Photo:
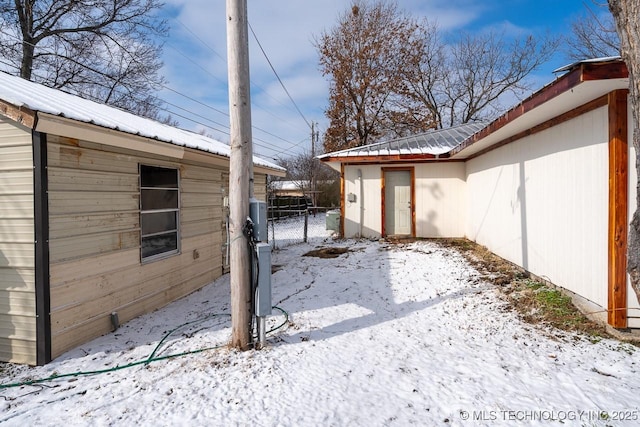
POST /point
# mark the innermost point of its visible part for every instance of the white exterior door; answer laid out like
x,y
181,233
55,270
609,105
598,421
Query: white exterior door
x,y
397,202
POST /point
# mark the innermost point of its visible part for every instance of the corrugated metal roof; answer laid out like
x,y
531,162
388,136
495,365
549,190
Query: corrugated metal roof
x,y
434,142
23,93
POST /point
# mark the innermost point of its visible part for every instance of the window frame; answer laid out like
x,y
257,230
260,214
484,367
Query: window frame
x,y
143,212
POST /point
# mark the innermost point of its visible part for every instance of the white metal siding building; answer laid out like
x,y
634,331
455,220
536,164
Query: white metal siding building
x,y
549,186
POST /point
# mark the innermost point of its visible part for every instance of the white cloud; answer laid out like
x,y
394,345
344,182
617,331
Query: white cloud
x,y
286,30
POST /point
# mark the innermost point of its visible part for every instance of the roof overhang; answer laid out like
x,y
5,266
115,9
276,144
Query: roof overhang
x,y
582,85
21,115
57,125
581,88
74,129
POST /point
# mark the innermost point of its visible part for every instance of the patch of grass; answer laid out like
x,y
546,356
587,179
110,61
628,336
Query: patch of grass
x,y
540,303
553,300
536,302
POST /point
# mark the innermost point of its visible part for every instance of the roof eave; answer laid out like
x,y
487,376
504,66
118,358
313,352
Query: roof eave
x,y
23,115
581,73
74,129
386,158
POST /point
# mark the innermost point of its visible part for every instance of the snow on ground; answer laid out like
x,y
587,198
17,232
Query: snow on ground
x,y
382,335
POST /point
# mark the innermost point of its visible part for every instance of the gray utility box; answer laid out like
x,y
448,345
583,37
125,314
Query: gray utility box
x,y
333,220
258,214
263,294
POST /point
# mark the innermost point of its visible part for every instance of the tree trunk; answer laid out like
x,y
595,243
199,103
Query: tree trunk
x,y
625,13
26,66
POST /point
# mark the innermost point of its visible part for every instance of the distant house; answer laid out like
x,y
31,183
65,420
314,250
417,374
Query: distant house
x,y
549,185
300,188
104,216
290,188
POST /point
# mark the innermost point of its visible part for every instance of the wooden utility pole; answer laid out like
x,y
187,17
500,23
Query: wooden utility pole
x,y
240,173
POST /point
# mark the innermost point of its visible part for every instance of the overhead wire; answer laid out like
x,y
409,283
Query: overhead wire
x,y
205,44
278,77
264,144
254,84
190,98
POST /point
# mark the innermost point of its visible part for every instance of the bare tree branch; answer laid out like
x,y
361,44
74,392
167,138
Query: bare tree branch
x,y
593,35
104,49
392,75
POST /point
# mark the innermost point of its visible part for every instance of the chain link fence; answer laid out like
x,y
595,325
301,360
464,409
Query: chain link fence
x,y
291,226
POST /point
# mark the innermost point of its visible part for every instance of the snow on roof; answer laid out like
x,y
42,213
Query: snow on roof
x,y
289,185
23,93
433,142
588,61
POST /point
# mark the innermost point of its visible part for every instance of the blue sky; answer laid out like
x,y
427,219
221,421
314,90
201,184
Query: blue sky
x,y
195,57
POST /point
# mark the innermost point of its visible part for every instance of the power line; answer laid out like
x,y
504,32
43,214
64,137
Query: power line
x,y
181,53
262,143
164,86
200,40
277,76
205,44
265,145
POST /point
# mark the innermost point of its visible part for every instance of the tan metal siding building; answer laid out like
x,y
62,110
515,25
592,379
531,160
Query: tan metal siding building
x,y
97,222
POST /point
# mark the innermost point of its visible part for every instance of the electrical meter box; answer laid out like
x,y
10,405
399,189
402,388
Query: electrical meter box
x,y
263,294
258,214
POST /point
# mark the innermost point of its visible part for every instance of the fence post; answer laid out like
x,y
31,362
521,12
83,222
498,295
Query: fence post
x,y
273,233
306,223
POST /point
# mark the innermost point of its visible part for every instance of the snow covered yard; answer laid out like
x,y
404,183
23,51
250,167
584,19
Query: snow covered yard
x,y
381,335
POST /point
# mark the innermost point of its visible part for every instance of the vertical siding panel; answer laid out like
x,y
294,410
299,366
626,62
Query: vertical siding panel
x,y
17,264
440,196
541,202
372,199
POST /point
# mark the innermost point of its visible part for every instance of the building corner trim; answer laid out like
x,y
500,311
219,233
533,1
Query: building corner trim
x,y
41,223
618,208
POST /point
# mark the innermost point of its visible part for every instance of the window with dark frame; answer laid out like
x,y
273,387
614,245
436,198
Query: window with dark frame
x,y
159,212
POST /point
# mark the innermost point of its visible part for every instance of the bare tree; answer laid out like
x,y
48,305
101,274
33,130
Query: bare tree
x,y
100,49
625,14
392,75
464,81
363,55
482,68
425,75
593,34
305,168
